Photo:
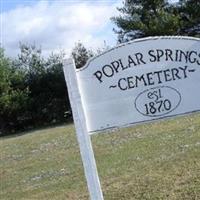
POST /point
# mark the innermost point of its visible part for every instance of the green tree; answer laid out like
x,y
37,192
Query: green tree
x,y
190,17
81,55
45,79
13,95
142,18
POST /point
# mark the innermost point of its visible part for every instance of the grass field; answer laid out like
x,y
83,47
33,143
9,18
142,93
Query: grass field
x,y
152,161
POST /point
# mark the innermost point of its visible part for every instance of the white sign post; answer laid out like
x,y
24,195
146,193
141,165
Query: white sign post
x,y
140,81
82,134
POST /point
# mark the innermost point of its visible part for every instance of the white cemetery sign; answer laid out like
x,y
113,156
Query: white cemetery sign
x,y
140,81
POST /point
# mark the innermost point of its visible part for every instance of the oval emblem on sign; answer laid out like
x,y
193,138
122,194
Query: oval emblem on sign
x,y
158,101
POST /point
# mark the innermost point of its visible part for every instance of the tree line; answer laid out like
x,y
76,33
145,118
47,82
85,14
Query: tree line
x,y
33,92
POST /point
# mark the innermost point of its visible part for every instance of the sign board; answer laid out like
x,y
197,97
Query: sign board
x,y
140,81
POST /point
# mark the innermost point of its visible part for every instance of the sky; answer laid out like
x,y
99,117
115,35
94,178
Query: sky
x,y
56,25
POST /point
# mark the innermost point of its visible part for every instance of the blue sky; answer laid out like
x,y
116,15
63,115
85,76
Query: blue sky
x,y
56,25
12,4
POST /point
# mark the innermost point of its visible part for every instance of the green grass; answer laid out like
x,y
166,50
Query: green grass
x,y
152,161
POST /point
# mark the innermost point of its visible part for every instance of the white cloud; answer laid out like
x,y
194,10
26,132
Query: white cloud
x,y
58,25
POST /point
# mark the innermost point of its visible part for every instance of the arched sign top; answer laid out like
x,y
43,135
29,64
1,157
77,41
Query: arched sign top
x,y
136,41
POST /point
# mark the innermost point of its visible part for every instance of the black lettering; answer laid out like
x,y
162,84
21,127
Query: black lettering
x,y
130,82
120,84
184,71
115,65
108,70
123,68
98,75
139,58
168,54
153,57
150,79
183,54
158,75
175,74
190,55
160,54
177,55
167,75
198,61
131,61
140,79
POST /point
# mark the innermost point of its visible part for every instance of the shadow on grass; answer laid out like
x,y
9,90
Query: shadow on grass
x,y
34,129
